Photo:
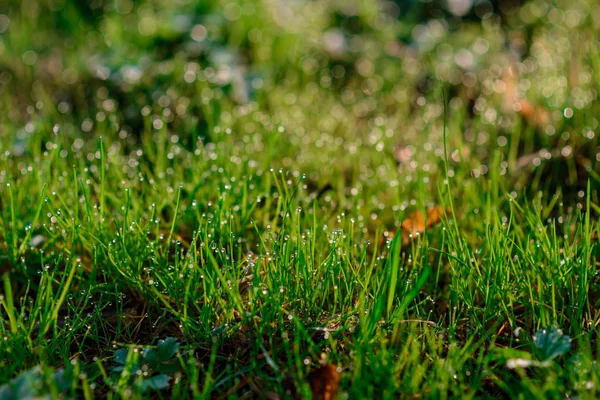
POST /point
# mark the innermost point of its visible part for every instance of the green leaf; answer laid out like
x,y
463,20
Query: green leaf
x,y
23,386
156,382
63,379
550,343
168,367
167,348
120,356
163,352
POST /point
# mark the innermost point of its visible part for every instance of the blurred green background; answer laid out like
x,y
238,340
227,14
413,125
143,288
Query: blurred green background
x,y
104,66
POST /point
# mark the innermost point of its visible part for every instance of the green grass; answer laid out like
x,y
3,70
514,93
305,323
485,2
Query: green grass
x,y
224,174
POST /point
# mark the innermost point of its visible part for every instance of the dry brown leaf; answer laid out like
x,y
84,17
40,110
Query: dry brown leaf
x,y
271,395
324,382
434,216
414,224
246,284
256,384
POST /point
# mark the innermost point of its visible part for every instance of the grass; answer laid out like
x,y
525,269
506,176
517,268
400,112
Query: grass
x,y
237,176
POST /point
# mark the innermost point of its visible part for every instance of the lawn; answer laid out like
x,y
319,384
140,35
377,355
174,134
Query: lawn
x,y
348,199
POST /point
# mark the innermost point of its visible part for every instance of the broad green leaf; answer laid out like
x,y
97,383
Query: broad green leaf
x,y
550,343
156,382
167,348
24,386
163,352
121,356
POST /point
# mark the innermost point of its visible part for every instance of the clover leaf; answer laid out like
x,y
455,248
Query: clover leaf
x,y
550,343
156,382
160,358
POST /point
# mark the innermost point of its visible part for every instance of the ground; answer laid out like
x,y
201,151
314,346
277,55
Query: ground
x,y
286,199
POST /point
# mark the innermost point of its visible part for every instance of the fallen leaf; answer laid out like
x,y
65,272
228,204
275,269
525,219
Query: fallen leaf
x,y
414,224
271,395
257,384
434,216
246,284
324,382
